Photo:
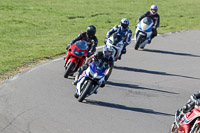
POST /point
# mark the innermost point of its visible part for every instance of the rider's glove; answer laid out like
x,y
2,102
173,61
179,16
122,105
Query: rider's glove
x,y
105,41
102,84
68,46
89,54
125,44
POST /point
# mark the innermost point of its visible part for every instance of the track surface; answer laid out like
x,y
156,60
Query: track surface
x,y
142,95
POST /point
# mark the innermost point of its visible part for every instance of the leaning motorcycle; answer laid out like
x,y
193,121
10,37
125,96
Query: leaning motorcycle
x,y
90,80
76,55
116,41
187,123
143,32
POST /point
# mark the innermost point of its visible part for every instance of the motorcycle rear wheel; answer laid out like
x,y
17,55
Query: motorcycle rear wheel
x,y
85,91
69,69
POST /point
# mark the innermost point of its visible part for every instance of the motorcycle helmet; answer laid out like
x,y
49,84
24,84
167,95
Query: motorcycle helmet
x,y
124,23
154,9
108,51
91,30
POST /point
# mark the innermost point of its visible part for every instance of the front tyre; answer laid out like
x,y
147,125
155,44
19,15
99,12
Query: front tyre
x,y
85,91
173,128
108,73
69,69
195,128
138,42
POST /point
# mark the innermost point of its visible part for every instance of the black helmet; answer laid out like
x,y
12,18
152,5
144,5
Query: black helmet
x,y
91,30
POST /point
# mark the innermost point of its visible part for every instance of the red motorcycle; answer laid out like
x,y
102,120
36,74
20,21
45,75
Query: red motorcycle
x,y
76,55
189,122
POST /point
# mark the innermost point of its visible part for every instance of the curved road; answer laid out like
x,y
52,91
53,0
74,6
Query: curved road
x,y
142,95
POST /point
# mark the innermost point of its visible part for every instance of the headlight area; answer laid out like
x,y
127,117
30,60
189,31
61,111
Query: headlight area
x,y
78,53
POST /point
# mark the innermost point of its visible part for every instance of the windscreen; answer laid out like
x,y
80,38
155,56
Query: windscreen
x,y
147,20
82,45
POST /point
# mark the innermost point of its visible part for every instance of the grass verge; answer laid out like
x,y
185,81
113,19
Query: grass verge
x,y
31,31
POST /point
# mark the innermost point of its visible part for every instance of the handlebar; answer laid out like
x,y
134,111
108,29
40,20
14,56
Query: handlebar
x,y
188,106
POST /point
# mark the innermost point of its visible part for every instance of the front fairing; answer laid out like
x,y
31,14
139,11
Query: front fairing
x,y
184,124
76,55
91,73
144,26
96,72
116,40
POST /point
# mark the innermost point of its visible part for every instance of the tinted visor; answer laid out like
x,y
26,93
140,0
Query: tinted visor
x,y
109,53
91,33
124,25
154,11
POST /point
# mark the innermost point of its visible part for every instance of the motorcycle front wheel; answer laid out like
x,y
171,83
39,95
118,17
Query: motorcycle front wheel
x,y
69,69
85,91
195,128
138,42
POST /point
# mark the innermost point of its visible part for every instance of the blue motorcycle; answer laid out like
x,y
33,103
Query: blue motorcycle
x,y
90,80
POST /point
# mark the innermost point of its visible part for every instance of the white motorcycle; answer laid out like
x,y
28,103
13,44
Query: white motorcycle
x,y
116,41
90,80
143,32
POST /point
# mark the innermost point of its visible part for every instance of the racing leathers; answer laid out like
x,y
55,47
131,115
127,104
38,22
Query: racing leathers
x,y
108,63
156,21
91,42
127,33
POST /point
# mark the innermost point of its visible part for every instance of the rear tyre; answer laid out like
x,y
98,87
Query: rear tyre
x,y
138,42
69,69
85,91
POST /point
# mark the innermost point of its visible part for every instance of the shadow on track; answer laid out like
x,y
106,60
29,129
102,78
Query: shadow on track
x,y
169,52
152,72
137,87
123,107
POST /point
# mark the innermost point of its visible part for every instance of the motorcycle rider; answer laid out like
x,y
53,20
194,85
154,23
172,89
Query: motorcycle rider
x,y
155,17
122,28
105,56
194,100
89,37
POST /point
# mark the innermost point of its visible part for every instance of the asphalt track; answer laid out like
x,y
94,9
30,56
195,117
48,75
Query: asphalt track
x,y
142,95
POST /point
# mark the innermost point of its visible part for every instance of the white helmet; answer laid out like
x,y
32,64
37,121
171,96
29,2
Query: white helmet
x,y
108,51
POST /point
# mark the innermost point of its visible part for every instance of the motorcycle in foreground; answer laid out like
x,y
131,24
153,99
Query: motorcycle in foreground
x,y
116,41
76,55
143,32
90,80
189,122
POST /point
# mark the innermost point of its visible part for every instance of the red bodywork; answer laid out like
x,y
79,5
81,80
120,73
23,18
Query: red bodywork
x,y
72,56
186,122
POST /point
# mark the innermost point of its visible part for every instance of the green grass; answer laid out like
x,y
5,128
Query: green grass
x,y
33,30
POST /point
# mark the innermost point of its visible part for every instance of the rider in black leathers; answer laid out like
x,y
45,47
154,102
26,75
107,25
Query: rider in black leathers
x,y
89,37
